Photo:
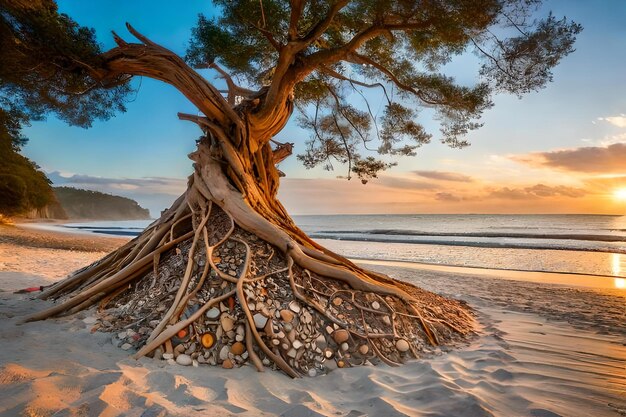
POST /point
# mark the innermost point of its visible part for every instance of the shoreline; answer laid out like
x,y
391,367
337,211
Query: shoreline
x,y
541,350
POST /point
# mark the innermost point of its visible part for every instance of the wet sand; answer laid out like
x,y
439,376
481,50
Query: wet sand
x,y
542,351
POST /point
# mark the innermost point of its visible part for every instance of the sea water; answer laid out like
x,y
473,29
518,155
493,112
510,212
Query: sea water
x,y
580,244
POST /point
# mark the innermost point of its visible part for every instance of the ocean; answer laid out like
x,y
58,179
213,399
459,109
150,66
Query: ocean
x,y
574,244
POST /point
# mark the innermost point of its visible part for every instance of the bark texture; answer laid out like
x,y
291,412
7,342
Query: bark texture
x,y
226,277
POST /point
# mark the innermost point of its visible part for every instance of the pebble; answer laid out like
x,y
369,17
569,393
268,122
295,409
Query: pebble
x,y
126,346
341,335
286,315
363,349
224,352
191,349
90,320
337,301
184,360
375,305
195,363
402,345
227,323
266,362
239,338
329,329
297,344
328,353
227,364
344,346
291,353
312,372
168,356
237,348
259,320
387,320
213,313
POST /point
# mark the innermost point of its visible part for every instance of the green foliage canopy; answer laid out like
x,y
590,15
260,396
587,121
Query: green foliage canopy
x,y
334,49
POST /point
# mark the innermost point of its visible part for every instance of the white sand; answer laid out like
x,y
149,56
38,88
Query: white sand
x,y
542,351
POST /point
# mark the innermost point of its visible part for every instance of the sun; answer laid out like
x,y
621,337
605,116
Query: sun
x,y
620,194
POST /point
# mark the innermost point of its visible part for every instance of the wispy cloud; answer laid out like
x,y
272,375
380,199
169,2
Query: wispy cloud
x,y
619,121
444,176
593,159
537,191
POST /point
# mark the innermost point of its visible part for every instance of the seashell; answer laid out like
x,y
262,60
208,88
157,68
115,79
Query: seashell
x,y
208,340
294,306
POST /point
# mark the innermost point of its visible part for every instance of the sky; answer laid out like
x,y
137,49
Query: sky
x,y
559,150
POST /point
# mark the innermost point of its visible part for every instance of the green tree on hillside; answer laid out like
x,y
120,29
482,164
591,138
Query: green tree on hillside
x,y
311,56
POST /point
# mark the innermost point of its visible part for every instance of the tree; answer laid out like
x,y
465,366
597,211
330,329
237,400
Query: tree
x,y
45,68
226,265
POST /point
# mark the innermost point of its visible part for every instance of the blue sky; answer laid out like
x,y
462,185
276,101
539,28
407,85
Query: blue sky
x,y
142,153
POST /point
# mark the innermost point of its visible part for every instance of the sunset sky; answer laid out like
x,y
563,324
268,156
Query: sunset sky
x,y
561,150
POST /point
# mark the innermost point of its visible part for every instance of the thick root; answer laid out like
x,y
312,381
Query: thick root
x,y
216,282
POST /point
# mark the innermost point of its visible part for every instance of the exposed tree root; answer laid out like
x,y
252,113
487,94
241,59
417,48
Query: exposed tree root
x,y
224,277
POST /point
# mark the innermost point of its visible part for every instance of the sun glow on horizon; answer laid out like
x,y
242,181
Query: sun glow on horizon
x,y
620,194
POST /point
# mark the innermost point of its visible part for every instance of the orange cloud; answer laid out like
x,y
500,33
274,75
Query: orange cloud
x,y
444,176
593,159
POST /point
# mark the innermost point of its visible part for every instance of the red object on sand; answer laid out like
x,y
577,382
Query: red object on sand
x,y
29,289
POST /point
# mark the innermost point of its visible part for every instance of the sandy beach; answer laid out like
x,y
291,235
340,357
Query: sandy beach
x,y
542,350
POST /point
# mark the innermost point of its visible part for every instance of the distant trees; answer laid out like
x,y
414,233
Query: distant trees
x,y
45,58
86,204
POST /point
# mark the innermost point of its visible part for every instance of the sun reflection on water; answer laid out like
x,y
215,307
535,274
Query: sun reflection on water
x,y
616,267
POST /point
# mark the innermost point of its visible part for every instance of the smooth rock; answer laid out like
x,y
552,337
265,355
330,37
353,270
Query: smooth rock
x,y
126,346
312,372
387,320
184,360
402,345
341,336
239,338
224,352
213,313
292,353
227,364
168,356
344,346
286,315
329,329
337,301
227,323
241,330
259,320
90,320
297,344
363,349
328,353
237,348
195,363
266,362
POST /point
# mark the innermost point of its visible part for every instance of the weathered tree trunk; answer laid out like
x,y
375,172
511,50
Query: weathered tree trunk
x,y
227,277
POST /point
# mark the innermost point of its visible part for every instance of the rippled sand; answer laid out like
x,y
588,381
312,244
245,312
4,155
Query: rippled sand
x,y
542,351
